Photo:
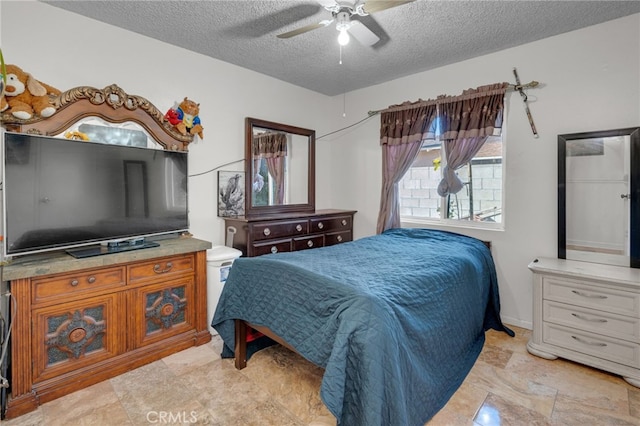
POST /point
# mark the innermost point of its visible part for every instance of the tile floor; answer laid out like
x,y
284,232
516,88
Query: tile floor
x,y
507,386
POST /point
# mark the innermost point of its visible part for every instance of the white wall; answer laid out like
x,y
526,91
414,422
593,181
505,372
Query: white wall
x,y
590,80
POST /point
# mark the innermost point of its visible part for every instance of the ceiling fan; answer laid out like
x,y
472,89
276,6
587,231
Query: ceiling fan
x,y
342,13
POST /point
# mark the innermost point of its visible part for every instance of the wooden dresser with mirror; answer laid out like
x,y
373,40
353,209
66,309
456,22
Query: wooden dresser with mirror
x,y
79,321
280,212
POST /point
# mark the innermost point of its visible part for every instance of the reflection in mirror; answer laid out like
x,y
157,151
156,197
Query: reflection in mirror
x,y
280,163
598,192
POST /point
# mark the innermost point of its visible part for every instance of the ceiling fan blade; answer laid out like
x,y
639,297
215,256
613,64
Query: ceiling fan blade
x,y
363,34
373,6
305,29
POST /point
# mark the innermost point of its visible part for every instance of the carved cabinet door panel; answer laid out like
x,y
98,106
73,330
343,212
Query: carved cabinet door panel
x,y
163,310
70,336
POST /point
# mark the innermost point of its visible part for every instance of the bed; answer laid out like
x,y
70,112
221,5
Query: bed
x,y
396,320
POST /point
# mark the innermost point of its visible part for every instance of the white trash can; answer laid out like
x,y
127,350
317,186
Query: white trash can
x,y
219,261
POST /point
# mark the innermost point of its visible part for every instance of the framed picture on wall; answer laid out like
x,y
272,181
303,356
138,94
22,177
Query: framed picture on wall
x,y
230,194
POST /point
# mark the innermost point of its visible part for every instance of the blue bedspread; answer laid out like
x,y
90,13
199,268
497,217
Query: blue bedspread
x,y
397,320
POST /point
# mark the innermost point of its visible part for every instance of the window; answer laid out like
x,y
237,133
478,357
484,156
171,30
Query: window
x,y
480,199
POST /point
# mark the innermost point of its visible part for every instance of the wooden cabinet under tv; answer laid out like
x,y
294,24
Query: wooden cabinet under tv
x,y
81,321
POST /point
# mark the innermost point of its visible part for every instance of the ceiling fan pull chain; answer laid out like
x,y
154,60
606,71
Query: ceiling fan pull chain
x,y
340,55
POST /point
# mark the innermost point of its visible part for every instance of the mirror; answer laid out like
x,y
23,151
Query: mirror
x,y
599,197
280,164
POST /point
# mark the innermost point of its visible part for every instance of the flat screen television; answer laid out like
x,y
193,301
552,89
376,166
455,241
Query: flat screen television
x,y
61,194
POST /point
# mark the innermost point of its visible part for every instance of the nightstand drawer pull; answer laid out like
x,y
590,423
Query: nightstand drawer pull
x,y
310,243
298,227
344,222
91,279
320,225
74,282
602,320
157,270
274,249
266,232
339,238
600,344
590,296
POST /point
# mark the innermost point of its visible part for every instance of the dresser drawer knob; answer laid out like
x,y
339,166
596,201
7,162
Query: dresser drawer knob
x,y
298,227
582,317
344,222
158,269
590,296
339,238
586,342
266,232
310,243
91,279
74,283
320,225
274,249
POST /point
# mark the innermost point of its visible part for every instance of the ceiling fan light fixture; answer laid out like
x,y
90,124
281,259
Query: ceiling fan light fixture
x,y
343,38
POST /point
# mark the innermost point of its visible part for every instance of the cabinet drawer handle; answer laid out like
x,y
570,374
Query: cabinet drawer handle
x,y
298,227
310,243
344,222
74,283
266,232
157,269
599,344
590,296
589,319
320,225
274,249
91,279
339,238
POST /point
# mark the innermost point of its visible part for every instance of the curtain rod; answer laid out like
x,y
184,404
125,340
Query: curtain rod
x,y
511,87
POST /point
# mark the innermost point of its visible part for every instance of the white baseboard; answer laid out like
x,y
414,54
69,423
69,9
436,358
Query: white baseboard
x,y
518,323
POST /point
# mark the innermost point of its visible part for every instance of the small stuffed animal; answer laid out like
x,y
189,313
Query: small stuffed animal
x,y
185,118
27,96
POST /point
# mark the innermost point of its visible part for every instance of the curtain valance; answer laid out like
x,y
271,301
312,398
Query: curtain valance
x,y
270,145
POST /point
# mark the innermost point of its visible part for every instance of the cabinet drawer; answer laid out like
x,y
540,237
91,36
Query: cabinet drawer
x,y
605,323
619,351
272,247
81,282
271,230
331,224
332,238
310,242
161,268
590,296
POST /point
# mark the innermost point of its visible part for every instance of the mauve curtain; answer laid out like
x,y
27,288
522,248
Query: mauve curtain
x,y
273,148
467,121
401,134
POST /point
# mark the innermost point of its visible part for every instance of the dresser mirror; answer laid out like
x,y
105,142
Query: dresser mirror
x,y
280,162
599,197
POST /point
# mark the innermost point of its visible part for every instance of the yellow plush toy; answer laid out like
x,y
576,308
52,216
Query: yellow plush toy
x,y
27,96
185,118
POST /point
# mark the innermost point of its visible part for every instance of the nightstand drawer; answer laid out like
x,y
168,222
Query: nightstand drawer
x,y
271,230
72,284
619,351
591,296
161,268
604,323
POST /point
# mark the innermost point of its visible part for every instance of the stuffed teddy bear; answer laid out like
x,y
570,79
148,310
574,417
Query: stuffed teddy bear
x,y
185,118
27,96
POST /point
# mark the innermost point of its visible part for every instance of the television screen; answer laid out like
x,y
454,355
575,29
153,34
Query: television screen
x,y
61,193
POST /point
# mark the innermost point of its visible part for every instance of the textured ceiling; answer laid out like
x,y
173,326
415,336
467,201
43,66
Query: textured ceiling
x,y
414,37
